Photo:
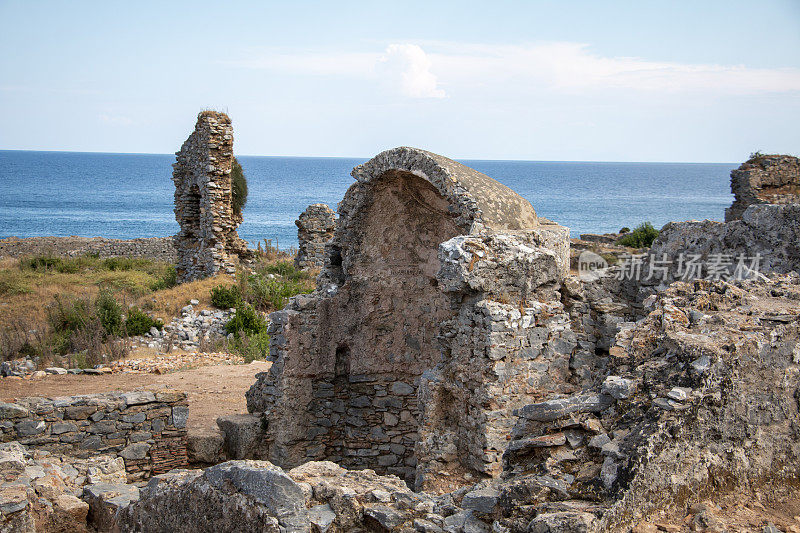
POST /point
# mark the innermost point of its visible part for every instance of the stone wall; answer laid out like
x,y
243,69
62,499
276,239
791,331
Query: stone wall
x,y
146,429
314,229
766,179
156,248
207,242
685,392
423,250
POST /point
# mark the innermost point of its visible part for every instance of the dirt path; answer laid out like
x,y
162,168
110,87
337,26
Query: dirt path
x,y
213,390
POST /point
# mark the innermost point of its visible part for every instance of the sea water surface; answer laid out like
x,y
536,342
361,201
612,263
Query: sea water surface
x,y
130,195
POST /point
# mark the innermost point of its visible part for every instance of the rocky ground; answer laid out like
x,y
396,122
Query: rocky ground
x,y
694,428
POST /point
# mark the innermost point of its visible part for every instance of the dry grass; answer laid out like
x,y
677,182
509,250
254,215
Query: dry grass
x,y
168,302
25,293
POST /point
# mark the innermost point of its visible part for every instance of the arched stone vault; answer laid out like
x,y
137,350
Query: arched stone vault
x,y
427,254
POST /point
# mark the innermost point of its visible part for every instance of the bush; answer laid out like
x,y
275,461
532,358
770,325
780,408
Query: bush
x,y
139,322
642,236
41,263
226,297
269,294
167,280
66,316
246,320
109,312
238,187
250,347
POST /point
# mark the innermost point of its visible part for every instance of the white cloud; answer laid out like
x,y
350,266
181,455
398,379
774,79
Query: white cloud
x,y
503,70
567,66
409,66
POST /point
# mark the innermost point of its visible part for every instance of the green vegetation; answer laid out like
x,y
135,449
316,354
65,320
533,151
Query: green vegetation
x,y
267,290
139,322
226,297
642,236
65,305
250,347
167,280
246,320
109,312
238,187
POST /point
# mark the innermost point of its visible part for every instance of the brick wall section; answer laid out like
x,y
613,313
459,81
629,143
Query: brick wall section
x,y
146,429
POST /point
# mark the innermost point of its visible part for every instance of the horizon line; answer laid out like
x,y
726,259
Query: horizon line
x,y
368,158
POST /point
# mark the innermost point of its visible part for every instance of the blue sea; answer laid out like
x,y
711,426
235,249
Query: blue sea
x,y
130,195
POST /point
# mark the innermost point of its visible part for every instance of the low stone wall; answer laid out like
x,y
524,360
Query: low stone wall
x,y
156,248
146,429
365,421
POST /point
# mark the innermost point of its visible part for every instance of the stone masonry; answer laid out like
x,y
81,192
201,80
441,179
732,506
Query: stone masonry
x,y
314,229
207,242
146,429
765,179
409,357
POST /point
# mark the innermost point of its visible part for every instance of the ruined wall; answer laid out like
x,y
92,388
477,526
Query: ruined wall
x,y
207,242
146,429
685,393
314,229
352,356
770,179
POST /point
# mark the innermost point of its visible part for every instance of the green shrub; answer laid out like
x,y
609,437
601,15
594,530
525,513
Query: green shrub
x,y
642,236
66,316
250,347
226,297
167,280
126,263
41,263
238,187
285,269
10,287
625,229
269,294
246,320
108,310
139,322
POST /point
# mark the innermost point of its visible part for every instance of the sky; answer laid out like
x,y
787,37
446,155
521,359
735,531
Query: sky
x,y
638,80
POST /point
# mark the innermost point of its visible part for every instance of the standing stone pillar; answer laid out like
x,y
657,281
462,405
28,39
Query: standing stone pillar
x,y
207,242
314,229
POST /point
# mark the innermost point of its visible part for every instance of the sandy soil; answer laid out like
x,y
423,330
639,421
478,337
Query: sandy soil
x,y
213,390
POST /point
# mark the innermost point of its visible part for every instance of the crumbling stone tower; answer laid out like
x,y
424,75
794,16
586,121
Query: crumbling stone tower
x,y
314,229
426,329
207,242
764,179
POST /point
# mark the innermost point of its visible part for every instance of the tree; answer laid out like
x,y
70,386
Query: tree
x,y
238,187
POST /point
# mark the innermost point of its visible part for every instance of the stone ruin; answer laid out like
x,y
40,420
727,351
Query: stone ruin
x,y
448,344
207,242
314,229
417,344
764,179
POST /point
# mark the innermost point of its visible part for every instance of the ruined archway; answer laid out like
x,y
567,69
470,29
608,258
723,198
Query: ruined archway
x,y
349,359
